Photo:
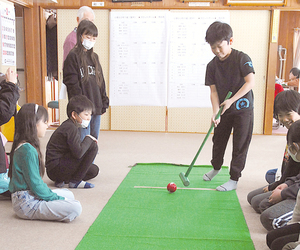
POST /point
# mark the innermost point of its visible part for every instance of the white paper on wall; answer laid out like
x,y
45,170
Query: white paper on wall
x,y
138,58
8,34
159,58
188,57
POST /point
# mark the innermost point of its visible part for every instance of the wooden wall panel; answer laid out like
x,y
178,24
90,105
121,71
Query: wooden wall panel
x,y
165,4
25,3
32,43
288,21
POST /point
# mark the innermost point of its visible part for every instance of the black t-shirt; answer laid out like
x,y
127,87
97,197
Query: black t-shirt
x,y
228,75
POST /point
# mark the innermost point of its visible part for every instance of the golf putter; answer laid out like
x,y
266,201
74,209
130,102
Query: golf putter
x,y
184,176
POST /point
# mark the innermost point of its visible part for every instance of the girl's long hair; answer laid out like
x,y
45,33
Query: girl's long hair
x,y
26,131
86,27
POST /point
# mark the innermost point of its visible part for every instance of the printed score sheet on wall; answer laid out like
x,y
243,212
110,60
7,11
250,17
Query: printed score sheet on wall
x,y
188,57
8,38
159,58
138,58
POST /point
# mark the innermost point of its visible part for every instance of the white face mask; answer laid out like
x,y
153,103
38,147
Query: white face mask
x,y
87,44
84,123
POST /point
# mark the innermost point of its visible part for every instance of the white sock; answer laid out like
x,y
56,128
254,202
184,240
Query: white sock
x,y
210,175
229,185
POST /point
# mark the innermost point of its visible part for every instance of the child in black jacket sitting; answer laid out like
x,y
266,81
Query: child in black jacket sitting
x,y
68,160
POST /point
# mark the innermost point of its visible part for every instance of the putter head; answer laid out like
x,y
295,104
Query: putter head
x,y
184,179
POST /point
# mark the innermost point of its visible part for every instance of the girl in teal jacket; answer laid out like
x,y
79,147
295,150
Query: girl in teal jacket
x,y
31,197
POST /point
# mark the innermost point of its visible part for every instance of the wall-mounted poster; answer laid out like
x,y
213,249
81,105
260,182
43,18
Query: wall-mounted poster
x,y
8,34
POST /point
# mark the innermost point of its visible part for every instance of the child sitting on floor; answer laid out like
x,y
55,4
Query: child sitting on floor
x,y
31,197
287,111
276,239
68,160
282,199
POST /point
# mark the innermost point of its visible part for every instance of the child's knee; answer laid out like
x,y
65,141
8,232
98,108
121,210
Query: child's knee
x,y
266,221
250,197
264,204
75,210
256,203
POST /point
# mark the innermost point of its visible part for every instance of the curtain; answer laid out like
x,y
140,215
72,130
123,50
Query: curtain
x,y
296,48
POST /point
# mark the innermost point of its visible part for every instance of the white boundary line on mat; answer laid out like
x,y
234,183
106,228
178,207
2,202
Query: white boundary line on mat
x,y
177,188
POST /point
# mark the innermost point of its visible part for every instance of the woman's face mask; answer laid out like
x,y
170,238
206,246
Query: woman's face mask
x,y
88,41
293,150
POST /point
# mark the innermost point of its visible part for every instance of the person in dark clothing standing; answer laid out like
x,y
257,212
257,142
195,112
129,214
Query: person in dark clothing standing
x,y
68,159
230,70
82,74
9,95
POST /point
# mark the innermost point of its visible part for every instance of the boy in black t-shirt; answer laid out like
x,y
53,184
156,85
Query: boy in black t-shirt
x,y
229,70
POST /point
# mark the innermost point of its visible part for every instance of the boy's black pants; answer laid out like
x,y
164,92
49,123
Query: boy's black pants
x,y
277,238
242,125
74,169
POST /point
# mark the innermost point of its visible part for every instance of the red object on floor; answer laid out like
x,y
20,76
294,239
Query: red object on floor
x,y
171,187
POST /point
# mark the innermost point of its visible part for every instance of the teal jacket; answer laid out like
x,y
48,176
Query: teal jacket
x,y
26,175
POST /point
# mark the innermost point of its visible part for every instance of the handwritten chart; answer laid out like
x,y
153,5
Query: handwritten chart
x,y
159,58
138,58
188,57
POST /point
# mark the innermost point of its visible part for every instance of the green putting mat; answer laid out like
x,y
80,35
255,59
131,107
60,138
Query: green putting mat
x,y
153,218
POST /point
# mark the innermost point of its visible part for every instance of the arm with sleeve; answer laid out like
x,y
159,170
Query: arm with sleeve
x,y
9,95
290,169
69,43
72,75
26,176
102,88
293,187
105,100
248,72
78,148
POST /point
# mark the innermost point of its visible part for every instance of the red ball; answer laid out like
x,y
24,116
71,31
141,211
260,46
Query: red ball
x,y
171,187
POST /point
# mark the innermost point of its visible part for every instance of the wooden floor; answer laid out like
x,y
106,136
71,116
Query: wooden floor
x,y
117,152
